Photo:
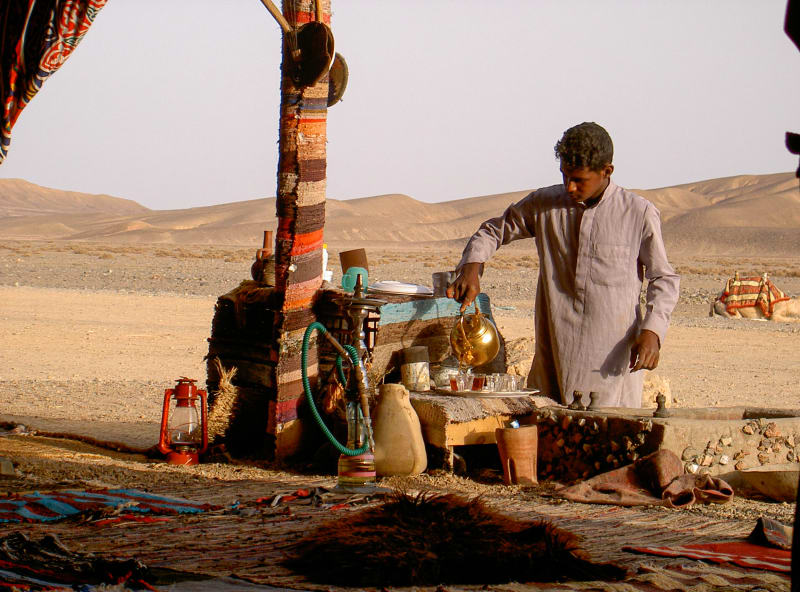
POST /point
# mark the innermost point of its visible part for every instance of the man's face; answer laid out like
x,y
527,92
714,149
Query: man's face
x,y
583,183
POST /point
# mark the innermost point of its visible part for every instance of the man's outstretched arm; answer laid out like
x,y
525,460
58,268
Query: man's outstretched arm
x,y
510,226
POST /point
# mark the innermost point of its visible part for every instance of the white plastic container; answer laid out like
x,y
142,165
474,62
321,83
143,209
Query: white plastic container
x,y
327,274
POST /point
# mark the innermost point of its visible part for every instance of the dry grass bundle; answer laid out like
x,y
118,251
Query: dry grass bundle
x,y
426,540
219,416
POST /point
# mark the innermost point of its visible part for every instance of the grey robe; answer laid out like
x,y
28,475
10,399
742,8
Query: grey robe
x,y
592,261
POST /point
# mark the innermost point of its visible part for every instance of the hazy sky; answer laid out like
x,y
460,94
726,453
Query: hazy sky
x,y
175,103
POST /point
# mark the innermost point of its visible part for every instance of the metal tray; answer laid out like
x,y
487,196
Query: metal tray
x,y
486,394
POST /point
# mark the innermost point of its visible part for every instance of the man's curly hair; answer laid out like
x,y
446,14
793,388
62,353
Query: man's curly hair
x,y
585,145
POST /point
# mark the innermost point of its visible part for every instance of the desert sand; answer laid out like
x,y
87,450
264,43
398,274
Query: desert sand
x,y
95,326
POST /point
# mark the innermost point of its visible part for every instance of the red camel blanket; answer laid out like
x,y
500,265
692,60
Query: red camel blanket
x,y
751,291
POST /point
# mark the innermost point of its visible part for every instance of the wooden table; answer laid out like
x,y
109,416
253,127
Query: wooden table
x,y
449,421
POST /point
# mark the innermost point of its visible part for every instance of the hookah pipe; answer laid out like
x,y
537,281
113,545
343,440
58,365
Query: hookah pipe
x,y
351,355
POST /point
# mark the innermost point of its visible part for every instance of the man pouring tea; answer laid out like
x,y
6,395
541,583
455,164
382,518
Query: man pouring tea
x,y
596,243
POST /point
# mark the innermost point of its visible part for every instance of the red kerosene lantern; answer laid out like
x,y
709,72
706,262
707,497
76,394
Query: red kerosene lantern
x,y
184,431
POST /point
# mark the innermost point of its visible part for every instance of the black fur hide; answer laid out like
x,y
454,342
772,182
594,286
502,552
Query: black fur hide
x,y
429,540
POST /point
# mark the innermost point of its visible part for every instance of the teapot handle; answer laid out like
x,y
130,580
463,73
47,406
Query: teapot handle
x,y
467,344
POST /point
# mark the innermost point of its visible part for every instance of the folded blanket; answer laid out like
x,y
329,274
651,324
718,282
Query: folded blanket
x,y
654,480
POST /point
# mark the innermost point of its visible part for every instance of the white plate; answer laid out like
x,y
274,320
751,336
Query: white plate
x,y
393,287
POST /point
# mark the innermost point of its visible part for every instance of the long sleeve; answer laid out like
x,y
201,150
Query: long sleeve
x,y
663,283
495,232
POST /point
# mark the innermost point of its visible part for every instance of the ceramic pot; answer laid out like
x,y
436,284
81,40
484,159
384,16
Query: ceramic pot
x,y
518,448
399,447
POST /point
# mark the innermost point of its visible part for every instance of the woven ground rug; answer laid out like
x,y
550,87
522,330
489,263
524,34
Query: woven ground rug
x,y
58,505
737,552
250,540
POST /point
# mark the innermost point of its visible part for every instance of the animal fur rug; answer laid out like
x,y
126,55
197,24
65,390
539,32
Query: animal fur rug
x,y
426,540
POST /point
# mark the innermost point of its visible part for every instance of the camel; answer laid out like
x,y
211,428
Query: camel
x,y
755,298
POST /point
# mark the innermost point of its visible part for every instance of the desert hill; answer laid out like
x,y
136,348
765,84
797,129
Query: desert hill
x,y
21,198
741,214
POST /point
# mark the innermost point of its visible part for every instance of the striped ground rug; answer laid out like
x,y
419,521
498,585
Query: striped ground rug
x,y
251,540
737,552
58,505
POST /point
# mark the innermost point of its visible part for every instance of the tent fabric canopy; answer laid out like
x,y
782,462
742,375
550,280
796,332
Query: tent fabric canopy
x,y
36,37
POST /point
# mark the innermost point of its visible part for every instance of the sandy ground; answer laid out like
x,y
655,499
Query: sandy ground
x,y
92,335
95,333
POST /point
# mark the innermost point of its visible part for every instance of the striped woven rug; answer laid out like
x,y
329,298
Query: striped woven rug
x,y
58,505
251,540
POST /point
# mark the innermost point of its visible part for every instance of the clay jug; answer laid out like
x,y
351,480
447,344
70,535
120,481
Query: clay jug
x,y
518,451
399,447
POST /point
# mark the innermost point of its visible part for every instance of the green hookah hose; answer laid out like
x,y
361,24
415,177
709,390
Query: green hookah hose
x,y
310,398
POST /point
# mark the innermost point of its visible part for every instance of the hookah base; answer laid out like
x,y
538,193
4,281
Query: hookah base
x,y
357,469
357,474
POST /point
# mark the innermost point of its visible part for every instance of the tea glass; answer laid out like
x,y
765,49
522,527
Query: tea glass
x,y
490,383
442,379
518,382
478,382
500,382
461,381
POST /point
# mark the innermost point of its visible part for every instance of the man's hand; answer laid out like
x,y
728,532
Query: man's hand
x,y
467,285
644,353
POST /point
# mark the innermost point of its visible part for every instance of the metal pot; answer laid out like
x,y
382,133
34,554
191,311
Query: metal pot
x,y
474,340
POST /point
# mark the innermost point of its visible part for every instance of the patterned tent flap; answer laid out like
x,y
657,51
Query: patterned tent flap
x,y
37,37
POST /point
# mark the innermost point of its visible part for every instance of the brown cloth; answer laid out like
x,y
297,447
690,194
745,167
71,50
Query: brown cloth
x,y
654,480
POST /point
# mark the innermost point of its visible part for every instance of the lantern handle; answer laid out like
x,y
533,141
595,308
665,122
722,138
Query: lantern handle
x,y
203,419
162,440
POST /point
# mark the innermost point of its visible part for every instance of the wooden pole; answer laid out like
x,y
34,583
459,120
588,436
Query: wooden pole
x,y
301,218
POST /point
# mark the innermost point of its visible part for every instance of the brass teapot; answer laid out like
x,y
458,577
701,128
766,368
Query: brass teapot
x,y
474,339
